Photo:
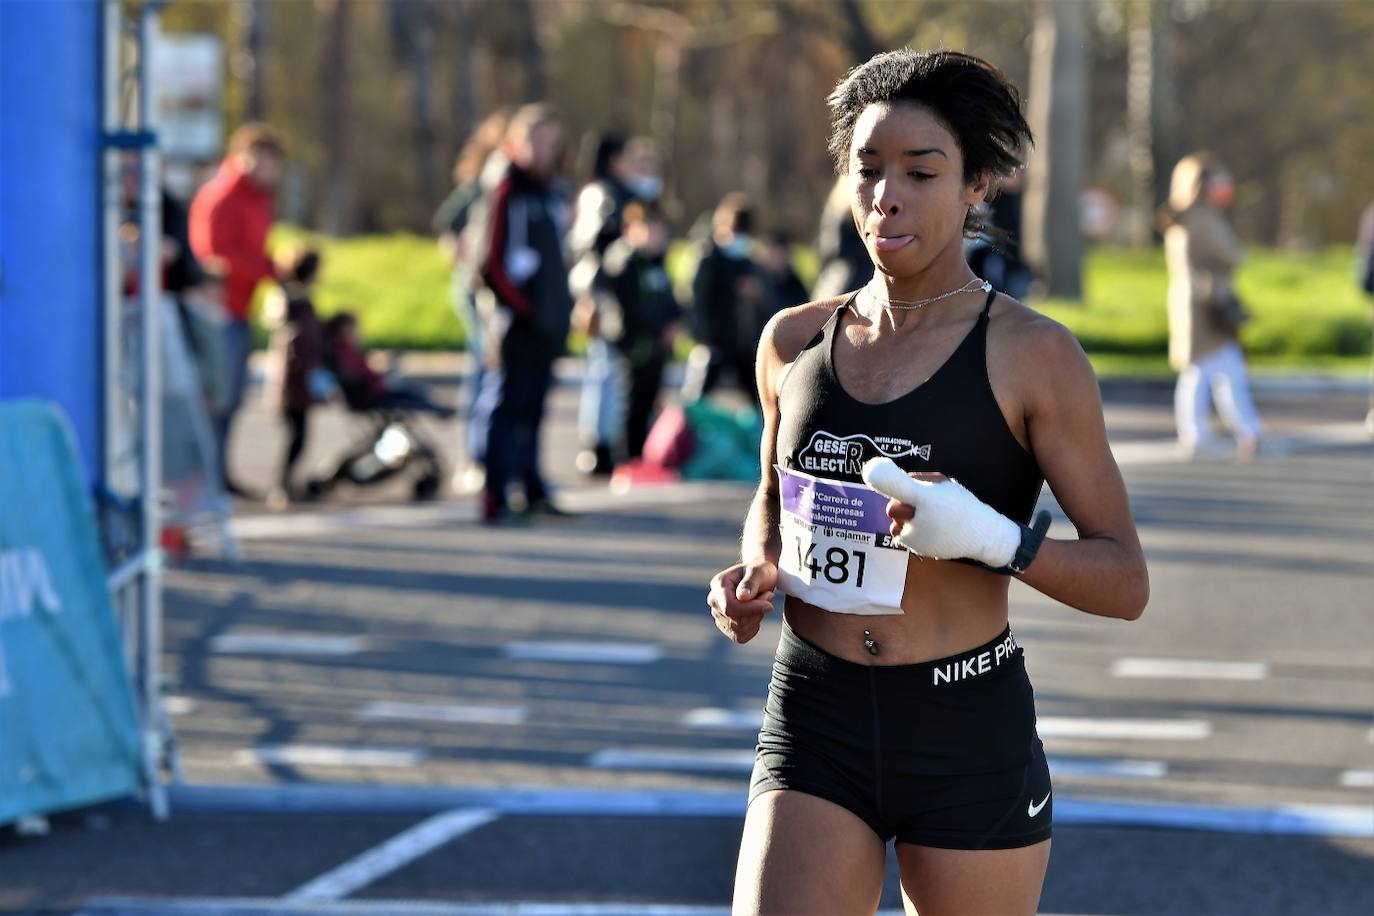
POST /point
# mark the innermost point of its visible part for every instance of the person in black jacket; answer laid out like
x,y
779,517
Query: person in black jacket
x,y
526,324
639,312
775,257
295,358
731,302
596,224
844,259
479,167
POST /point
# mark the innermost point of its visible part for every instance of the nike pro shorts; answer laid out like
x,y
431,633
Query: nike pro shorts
x,y
942,753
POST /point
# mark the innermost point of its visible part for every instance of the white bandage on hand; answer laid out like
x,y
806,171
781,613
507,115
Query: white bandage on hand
x,y
950,522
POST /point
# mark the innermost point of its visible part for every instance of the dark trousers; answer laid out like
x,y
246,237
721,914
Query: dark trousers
x,y
296,426
646,380
511,407
742,364
238,344
407,398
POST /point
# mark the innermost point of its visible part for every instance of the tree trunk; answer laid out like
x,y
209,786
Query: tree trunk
x,y
531,51
663,117
858,36
1058,115
421,61
247,66
336,206
1166,137
1140,83
463,99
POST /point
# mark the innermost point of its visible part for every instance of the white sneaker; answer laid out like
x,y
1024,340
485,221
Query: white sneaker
x,y
468,480
1208,450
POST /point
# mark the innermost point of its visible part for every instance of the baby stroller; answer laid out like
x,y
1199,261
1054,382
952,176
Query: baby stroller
x,y
391,443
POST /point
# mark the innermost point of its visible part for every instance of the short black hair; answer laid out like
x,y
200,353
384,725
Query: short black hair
x,y
303,265
738,209
970,96
639,210
339,322
608,146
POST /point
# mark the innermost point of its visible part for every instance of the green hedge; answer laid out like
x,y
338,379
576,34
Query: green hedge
x,y
1306,308
1303,305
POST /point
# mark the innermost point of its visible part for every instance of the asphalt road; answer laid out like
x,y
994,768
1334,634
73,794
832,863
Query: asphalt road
x,y
1214,756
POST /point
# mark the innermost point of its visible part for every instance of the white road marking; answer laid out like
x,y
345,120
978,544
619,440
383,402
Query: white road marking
x,y
1312,438
1123,729
260,906
442,712
604,653
1048,726
712,717
330,755
390,856
1358,779
325,522
178,705
1202,669
286,644
547,801
1103,768
674,759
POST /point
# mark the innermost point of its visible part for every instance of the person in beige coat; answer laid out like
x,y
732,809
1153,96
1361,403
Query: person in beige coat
x,y
1202,252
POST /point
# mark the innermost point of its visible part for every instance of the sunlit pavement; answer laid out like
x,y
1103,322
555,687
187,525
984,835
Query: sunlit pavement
x,y
1213,756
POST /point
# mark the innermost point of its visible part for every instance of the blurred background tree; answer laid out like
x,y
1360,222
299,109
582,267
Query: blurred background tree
x,y
376,96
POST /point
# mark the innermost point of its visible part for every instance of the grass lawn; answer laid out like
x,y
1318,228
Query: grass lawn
x,y
1307,311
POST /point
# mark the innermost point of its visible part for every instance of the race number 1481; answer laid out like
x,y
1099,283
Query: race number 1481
x,y
838,565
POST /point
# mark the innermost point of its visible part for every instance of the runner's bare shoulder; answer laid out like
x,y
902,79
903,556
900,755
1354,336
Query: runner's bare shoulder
x,y
791,330
1034,356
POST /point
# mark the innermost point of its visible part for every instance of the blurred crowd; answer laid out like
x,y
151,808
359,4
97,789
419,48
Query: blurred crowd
x,y
535,254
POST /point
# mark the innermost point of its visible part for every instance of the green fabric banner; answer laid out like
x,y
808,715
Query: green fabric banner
x,y
68,730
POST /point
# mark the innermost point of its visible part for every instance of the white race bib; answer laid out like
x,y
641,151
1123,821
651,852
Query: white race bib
x,y
837,553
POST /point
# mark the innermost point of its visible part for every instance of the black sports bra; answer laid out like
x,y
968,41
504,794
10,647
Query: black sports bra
x,y
950,423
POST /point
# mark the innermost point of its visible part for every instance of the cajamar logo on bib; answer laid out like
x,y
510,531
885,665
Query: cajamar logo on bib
x,y
830,454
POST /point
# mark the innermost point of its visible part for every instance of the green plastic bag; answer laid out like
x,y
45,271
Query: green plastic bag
x,y
727,442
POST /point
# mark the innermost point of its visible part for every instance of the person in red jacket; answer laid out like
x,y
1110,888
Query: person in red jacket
x,y
230,218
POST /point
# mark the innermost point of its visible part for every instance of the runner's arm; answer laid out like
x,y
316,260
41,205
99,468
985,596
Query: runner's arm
x,y
761,540
1103,571
742,594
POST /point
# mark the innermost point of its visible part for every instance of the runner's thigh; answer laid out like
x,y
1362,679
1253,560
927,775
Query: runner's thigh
x,y
801,854
943,882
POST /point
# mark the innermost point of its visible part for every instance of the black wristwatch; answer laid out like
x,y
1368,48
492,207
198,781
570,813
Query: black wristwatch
x,y
1032,537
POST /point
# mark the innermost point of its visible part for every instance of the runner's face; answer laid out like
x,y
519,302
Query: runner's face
x,y
908,195
545,147
265,168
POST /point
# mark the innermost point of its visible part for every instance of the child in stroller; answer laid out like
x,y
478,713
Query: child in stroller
x,y
393,442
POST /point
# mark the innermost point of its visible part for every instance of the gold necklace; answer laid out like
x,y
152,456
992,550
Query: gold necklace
x,y
970,286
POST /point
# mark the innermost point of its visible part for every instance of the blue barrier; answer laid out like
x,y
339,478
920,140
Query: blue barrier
x,y
68,730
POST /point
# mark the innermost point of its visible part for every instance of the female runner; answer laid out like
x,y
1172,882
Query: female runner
x,y
899,706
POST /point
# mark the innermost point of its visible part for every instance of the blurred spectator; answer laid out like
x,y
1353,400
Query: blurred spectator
x,y
775,257
522,266
1364,250
295,361
196,289
596,224
845,264
731,302
643,175
363,387
996,254
1205,315
638,312
479,167
231,216
1364,265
